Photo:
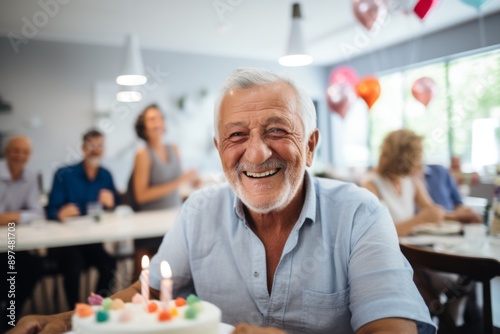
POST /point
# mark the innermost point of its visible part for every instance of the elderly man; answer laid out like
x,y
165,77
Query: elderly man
x,y
19,204
278,247
19,193
74,187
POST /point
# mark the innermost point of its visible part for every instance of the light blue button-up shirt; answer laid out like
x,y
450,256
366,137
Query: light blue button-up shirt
x,y
341,266
20,195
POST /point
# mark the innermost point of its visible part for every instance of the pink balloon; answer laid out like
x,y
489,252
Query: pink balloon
x,y
367,12
344,74
340,97
423,90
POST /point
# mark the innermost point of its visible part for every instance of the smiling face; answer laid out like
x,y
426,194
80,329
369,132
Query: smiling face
x,y
93,149
17,152
262,147
154,124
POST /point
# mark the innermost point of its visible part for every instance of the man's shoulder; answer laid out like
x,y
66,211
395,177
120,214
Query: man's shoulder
x,y
213,193
335,191
437,169
68,169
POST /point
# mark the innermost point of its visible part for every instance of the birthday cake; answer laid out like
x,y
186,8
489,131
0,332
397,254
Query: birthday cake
x,y
113,316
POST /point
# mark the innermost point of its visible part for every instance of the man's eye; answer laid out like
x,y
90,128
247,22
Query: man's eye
x,y
276,131
235,134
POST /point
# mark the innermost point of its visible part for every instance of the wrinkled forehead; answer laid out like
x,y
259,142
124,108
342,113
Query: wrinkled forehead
x,y
18,144
275,96
94,140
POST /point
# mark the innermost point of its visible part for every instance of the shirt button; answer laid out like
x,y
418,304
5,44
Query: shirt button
x,y
255,274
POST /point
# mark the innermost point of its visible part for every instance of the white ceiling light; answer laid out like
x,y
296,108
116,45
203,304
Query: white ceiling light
x,y
132,70
129,96
296,54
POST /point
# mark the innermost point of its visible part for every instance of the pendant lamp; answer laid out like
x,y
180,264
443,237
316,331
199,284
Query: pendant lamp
x,y
296,54
132,71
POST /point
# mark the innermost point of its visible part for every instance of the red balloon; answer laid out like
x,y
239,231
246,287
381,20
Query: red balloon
x,y
423,90
369,90
344,74
423,7
367,12
340,97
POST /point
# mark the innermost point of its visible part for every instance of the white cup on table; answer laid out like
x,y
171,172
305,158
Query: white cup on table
x,y
475,234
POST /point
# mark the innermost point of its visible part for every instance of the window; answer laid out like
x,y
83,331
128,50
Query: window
x,y
462,118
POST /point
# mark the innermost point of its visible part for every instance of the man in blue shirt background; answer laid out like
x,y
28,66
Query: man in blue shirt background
x,y
443,190
74,188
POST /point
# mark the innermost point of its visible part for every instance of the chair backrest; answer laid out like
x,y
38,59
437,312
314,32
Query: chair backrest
x,y
478,269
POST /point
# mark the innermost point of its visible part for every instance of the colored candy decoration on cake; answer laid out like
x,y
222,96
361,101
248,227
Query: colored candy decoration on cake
x,y
125,316
164,315
84,310
152,307
192,299
102,316
106,303
138,299
179,301
174,312
191,313
117,304
94,299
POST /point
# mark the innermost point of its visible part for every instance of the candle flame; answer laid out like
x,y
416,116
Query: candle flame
x,y
166,271
145,262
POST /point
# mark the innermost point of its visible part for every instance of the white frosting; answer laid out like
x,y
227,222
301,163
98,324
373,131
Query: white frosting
x,y
207,322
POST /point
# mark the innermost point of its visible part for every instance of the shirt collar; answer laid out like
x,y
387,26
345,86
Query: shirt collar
x,y
308,211
427,170
5,172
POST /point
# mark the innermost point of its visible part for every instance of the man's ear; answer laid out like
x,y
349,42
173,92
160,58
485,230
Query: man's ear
x,y
216,144
312,142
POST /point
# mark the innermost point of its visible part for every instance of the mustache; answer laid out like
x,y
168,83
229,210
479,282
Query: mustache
x,y
271,163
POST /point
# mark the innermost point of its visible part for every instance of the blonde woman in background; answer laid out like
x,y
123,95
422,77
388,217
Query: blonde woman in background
x,y
394,183
397,184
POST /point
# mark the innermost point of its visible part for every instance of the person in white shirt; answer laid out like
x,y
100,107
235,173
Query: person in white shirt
x,y
19,203
19,193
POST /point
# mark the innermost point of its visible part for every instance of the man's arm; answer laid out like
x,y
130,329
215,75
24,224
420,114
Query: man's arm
x,y
57,197
7,217
61,323
388,326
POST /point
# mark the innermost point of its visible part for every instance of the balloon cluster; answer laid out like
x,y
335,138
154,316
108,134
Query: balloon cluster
x,y
368,12
345,86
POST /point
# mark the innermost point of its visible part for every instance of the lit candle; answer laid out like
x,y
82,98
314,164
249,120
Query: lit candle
x,y
145,278
166,283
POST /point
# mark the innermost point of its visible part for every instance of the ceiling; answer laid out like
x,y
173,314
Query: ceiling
x,y
239,28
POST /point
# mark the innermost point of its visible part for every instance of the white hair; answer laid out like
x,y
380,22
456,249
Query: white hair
x,y
8,141
243,78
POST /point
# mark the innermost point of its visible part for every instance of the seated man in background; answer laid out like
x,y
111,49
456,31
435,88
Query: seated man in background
x,y
277,247
19,204
74,188
443,190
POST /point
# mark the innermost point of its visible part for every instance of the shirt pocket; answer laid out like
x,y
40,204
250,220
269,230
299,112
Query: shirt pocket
x,y
326,312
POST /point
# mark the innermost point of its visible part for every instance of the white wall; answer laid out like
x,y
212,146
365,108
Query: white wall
x,y
52,88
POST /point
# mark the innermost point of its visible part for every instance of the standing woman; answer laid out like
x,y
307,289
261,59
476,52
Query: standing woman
x,y
156,177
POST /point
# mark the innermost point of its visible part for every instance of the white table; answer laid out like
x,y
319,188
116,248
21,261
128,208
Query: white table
x,y
83,230
455,244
